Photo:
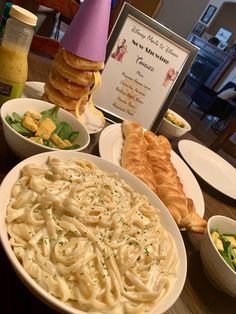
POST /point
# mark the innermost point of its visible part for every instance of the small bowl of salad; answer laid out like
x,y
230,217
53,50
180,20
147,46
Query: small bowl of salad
x,y
32,126
218,253
173,125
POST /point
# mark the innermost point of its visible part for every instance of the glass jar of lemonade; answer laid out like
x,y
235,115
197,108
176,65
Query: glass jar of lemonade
x,y
14,52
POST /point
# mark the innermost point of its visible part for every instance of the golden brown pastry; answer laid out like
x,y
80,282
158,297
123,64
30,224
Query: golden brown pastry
x,y
134,157
168,185
159,147
67,88
149,158
80,63
80,77
72,81
56,97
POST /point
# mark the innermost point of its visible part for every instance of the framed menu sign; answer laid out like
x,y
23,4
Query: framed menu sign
x,y
146,64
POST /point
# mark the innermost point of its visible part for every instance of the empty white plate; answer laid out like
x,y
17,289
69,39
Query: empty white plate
x,y
210,167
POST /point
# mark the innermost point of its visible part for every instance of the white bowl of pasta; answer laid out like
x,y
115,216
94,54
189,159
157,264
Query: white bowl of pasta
x,y
86,235
33,126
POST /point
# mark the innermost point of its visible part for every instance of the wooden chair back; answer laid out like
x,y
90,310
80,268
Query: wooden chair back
x,y
68,8
224,136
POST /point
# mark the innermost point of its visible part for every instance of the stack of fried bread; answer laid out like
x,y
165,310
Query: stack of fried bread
x,y
70,80
148,156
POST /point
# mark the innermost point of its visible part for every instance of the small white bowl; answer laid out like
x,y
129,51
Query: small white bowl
x,y
171,130
219,273
24,147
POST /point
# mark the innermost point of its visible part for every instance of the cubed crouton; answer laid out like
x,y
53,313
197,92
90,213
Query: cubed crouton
x,y
46,128
56,139
67,143
37,139
232,240
219,245
29,123
59,142
34,115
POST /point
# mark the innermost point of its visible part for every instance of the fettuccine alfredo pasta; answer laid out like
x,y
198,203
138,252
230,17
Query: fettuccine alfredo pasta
x,y
89,239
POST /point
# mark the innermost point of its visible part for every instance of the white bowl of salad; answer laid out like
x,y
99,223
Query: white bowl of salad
x,y
173,125
218,253
33,126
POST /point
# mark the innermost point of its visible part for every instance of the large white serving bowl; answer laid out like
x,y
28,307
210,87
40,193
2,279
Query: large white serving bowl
x,y
24,147
166,220
219,273
171,130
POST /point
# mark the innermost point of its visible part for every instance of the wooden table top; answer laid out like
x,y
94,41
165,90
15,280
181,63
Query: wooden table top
x,y
198,295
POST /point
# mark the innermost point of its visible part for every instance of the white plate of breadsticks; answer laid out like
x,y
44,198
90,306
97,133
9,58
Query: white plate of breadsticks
x,y
111,144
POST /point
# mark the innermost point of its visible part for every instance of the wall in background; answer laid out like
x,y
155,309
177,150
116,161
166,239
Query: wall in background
x,y
148,7
224,14
219,3
180,16
224,18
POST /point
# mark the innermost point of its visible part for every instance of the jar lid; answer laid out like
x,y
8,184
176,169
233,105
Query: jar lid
x,y
23,15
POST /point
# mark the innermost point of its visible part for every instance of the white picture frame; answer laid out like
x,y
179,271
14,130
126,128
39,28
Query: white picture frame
x,y
136,81
222,45
223,34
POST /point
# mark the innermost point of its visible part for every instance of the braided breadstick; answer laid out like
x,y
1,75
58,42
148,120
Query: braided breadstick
x,y
149,158
134,157
168,185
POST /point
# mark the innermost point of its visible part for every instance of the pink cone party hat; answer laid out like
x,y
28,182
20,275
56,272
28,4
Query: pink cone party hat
x,y
86,36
